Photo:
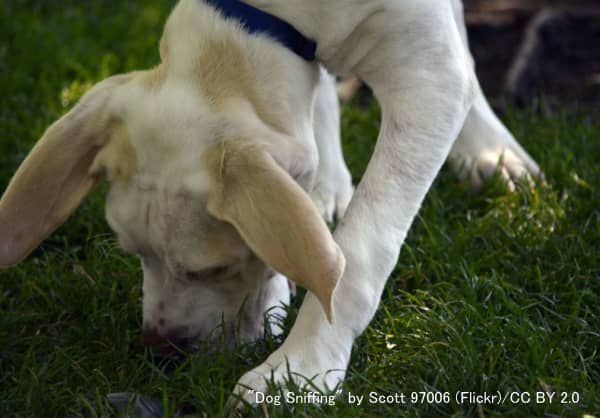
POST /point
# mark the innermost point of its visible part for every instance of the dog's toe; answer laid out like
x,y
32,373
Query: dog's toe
x,y
332,196
248,389
287,371
507,159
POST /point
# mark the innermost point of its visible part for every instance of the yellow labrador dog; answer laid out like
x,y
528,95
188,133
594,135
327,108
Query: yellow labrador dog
x,y
223,159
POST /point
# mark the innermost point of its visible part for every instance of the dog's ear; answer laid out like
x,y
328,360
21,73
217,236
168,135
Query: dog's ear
x,y
58,172
275,217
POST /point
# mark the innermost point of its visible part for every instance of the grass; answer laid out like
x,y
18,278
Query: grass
x,y
492,292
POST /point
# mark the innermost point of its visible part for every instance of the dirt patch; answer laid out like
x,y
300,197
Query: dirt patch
x,y
527,48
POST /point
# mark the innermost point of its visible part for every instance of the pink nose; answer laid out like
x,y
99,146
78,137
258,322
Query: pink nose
x,y
173,342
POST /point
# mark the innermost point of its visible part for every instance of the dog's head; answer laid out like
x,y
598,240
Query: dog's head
x,y
209,210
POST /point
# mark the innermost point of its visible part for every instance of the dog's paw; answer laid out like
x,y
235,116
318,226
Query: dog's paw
x,y
476,161
332,193
298,370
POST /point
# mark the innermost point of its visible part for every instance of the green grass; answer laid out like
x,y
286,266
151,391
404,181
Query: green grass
x,y
492,292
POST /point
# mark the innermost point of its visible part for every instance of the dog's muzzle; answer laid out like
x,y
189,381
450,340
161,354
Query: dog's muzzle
x,y
173,343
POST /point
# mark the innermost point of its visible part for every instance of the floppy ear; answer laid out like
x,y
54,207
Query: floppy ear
x,y
55,177
276,218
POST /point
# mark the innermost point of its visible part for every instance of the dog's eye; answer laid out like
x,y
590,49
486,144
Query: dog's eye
x,y
206,274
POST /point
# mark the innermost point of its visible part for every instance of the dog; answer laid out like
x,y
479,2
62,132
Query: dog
x,y
224,159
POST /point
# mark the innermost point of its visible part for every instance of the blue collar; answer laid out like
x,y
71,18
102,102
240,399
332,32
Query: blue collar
x,y
257,21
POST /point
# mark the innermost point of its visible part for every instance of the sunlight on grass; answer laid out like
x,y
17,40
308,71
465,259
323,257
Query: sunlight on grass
x,y
73,92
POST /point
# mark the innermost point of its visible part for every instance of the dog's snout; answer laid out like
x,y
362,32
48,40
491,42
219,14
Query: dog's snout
x,y
151,337
174,341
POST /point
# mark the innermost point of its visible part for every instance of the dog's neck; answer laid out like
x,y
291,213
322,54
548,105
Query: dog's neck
x,y
233,67
255,20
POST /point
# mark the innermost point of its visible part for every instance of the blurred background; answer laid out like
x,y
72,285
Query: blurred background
x,y
525,49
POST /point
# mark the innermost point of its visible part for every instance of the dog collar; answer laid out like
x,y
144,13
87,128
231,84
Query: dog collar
x,y
257,21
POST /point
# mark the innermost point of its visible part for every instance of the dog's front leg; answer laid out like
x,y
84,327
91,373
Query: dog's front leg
x,y
421,76
333,183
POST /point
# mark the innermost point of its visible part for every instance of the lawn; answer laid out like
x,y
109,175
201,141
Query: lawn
x,y
493,292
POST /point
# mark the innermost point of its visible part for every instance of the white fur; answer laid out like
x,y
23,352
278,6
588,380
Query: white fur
x,y
159,213
333,185
413,55
219,84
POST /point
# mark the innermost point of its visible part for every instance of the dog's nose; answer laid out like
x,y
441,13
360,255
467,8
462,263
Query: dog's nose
x,y
172,342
